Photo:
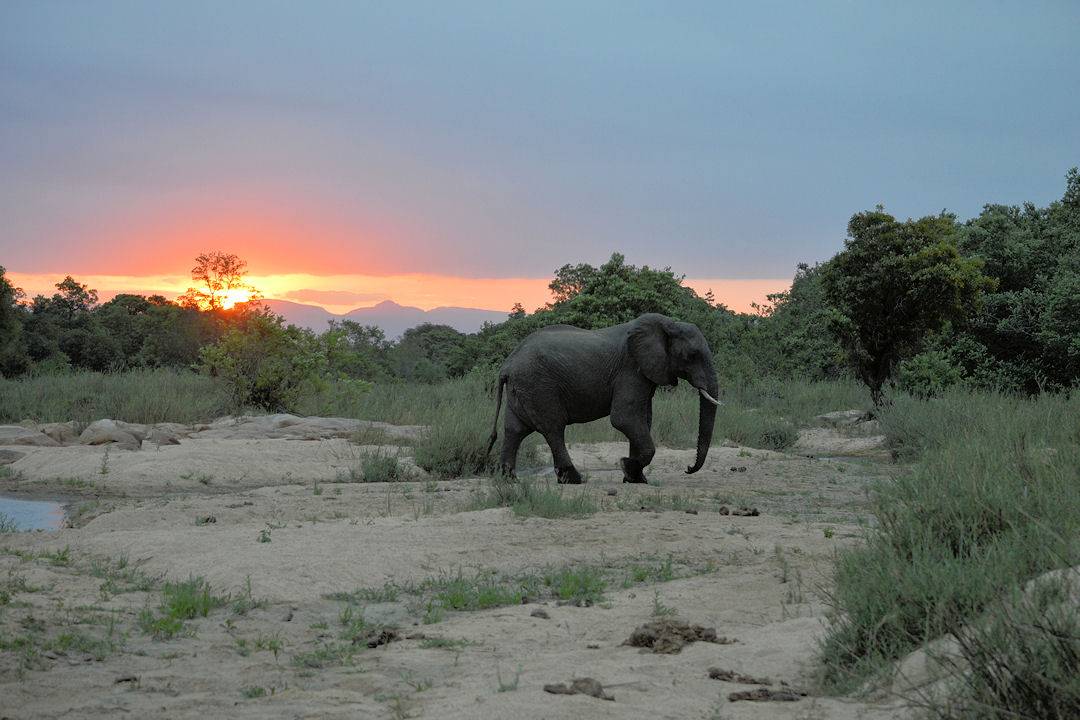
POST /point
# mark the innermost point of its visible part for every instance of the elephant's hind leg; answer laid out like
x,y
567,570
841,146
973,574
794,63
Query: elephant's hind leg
x,y
514,431
564,466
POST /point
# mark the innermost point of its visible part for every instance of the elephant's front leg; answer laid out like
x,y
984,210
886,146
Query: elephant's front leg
x,y
636,429
565,471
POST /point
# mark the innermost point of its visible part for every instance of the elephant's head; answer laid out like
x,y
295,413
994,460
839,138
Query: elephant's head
x,y
664,351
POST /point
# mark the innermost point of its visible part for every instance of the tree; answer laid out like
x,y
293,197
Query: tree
x,y
265,363
792,339
894,284
14,358
221,278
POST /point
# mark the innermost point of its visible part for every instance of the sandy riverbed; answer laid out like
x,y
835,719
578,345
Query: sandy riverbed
x,y
756,579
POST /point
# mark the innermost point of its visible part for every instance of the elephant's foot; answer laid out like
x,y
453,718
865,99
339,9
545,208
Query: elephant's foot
x,y
632,471
569,476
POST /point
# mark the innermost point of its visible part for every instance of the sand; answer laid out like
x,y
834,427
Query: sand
x,y
755,579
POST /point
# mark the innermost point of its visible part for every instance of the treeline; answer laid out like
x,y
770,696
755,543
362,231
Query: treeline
x,y
993,302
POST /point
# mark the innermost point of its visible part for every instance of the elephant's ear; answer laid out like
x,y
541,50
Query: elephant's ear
x,y
648,346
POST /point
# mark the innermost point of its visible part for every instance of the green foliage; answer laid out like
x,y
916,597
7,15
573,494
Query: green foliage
x,y
792,338
990,505
180,601
1026,336
266,364
582,586
895,283
14,355
381,466
927,374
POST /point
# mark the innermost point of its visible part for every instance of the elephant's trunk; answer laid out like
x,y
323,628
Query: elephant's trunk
x,y
706,417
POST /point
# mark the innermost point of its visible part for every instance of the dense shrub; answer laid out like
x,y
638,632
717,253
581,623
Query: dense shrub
x,y
991,504
927,374
266,364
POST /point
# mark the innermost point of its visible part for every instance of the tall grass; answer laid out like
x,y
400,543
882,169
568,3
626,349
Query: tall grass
x,y
993,501
762,413
137,396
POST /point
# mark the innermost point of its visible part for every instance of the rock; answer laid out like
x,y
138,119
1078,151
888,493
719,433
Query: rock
x,y
63,433
19,435
828,443
291,427
540,613
9,456
106,432
162,436
841,418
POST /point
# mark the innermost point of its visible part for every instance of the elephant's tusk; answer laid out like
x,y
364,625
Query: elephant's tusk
x,y
709,397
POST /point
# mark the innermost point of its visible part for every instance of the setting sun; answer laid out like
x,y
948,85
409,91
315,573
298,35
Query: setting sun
x,y
231,298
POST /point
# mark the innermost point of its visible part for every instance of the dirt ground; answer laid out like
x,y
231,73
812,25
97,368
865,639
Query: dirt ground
x,y
286,518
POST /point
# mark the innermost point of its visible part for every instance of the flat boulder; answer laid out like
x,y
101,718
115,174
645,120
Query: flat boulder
x,y
841,418
162,436
63,433
9,456
106,432
19,435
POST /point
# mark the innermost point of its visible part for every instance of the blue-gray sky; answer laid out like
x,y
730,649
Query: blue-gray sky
x,y
503,139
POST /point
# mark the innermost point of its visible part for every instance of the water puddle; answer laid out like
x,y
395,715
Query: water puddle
x,y
31,514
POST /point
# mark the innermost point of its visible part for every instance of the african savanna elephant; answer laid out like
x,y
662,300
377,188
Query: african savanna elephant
x,y
561,375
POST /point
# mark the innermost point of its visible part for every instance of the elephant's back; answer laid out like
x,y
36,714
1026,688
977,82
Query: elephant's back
x,y
565,355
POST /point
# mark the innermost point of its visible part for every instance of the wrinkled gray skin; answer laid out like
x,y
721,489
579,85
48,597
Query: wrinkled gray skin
x,y
562,375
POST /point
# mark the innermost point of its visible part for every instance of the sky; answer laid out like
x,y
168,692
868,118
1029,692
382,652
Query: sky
x,y
458,153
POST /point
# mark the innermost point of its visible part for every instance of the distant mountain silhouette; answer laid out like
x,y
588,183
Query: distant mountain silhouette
x,y
394,319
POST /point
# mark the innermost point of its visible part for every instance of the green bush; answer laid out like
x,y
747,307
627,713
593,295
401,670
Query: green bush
x,y
991,504
381,466
927,374
266,364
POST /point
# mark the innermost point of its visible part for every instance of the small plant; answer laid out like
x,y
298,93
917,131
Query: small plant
x,y
244,602
269,643
530,499
199,477
7,523
326,655
659,608
433,643
104,469
264,534
828,532
582,586
380,466
180,601
253,692
58,557
508,685
317,489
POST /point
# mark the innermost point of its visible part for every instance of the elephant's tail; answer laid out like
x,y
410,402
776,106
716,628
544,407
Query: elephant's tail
x,y
495,424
